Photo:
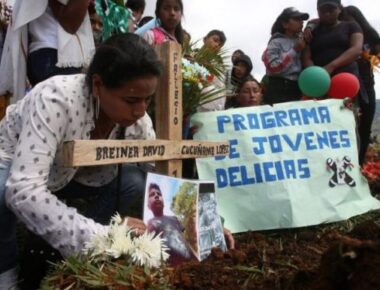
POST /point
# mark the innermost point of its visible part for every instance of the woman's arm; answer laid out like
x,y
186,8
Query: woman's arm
x,y
69,16
46,119
350,55
306,57
275,59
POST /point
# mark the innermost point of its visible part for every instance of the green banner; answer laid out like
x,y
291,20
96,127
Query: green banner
x,y
290,165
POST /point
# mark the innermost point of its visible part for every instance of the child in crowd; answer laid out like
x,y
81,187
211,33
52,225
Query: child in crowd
x,y
169,12
237,53
282,57
96,23
136,8
215,40
242,67
249,93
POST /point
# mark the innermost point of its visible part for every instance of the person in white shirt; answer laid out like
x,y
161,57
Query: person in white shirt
x,y
115,93
46,38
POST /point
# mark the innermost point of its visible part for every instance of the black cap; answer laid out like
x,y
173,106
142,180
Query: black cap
x,y
335,3
292,12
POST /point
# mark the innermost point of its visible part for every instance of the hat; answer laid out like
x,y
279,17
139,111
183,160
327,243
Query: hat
x,y
292,12
334,3
246,60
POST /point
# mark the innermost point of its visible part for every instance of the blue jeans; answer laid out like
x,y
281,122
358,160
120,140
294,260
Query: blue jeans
x,y
101,203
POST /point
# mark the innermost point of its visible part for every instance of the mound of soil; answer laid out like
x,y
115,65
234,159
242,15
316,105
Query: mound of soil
x,y
326,258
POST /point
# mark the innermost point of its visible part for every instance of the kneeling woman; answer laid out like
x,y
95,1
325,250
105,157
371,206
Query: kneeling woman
x,y
110,99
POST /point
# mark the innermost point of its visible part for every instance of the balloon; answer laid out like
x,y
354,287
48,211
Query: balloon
x,y
314,81
344,85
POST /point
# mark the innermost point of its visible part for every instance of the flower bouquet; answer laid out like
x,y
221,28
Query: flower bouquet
x,y
114,259
201,68
195,78
202,79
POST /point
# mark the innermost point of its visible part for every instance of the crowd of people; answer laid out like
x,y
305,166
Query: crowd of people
x,y
72,80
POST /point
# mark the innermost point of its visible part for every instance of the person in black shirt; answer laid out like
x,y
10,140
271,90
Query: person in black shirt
x,y
335,45
371,46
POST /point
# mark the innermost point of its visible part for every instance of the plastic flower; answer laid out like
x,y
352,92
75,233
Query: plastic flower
x,y
196,73
149,250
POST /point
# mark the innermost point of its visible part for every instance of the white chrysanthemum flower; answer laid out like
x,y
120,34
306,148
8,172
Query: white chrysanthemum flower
x,y
116,241
116,219
98,244
122,245
149,250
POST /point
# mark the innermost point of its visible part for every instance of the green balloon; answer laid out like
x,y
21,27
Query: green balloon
x,y
314,81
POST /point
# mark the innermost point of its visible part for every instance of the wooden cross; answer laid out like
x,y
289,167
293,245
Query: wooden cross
x,y
169,149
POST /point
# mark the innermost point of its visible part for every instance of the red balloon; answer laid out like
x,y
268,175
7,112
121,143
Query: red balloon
x,y
344,85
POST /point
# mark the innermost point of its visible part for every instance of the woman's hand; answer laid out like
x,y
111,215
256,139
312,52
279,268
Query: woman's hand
x,y
308,34
229,239
330,68
136,224
300,44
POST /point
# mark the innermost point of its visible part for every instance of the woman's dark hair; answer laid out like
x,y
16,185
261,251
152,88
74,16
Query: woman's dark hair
x,y
278,26
178,33
249,78
135,5
121,58
354,13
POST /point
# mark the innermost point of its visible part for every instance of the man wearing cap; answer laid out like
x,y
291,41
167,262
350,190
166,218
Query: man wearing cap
x,y
282,57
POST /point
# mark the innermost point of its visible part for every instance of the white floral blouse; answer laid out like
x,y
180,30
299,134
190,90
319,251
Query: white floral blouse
x,y
31,137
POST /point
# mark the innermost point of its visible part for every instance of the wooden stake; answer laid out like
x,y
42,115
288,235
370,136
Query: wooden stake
x,y
168,103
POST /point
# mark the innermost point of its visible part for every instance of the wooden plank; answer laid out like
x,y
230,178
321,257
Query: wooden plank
x,y
100,152
168,103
